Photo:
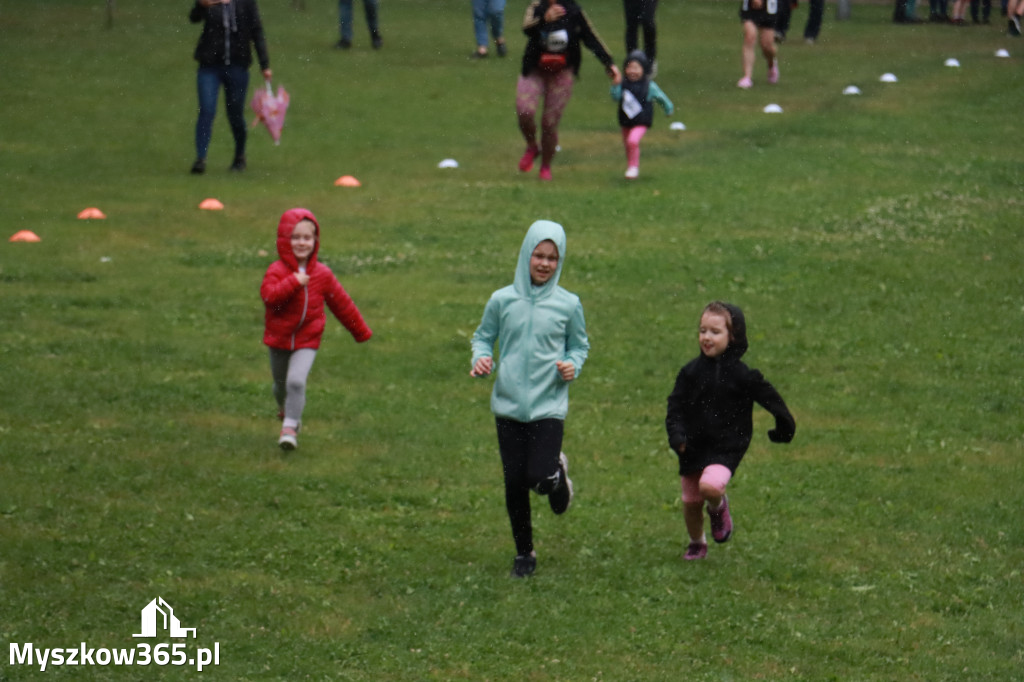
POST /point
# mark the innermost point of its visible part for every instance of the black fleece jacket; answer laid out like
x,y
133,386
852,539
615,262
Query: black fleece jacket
x,y
228,33
710,409
577,25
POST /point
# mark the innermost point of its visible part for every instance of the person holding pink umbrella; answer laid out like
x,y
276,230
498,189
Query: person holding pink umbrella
x,y
224,53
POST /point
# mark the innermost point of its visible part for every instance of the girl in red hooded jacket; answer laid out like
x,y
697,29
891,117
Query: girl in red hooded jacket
x,y
294,291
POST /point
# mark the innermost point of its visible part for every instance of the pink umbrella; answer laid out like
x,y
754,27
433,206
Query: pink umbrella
x,y
270,110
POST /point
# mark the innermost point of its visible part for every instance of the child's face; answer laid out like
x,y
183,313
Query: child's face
x,y
714,334
634,72
303,240
543,262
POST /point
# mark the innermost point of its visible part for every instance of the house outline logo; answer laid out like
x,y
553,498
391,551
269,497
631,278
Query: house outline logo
x,y
166,616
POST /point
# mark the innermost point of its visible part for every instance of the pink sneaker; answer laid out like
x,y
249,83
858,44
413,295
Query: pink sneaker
x,y
526,163
696,550
545,173
773,73
289,438
721,521
745,83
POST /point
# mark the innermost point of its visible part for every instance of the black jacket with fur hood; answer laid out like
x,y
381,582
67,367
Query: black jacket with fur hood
x,y
710,410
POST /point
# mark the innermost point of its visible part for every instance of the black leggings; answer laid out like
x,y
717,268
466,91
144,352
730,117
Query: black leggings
x,y
529,458
640,13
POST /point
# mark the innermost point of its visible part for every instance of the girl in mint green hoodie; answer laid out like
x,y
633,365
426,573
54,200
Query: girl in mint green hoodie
x,y
542,337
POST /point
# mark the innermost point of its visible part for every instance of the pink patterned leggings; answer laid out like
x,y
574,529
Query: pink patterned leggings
x,y
631,139
556,89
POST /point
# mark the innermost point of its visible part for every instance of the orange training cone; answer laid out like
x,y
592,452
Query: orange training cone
x,y
347,181
91,213
24,236
211,205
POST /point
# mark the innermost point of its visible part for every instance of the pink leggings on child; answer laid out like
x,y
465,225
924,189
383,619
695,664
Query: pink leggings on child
x,y
631,138
714,475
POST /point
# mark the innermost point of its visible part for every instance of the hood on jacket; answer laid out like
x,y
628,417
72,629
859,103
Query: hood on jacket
x,y
540,231
640,57
289,219
738,345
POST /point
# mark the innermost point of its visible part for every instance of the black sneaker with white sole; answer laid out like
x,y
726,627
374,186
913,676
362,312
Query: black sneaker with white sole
x,y
561,497
523,566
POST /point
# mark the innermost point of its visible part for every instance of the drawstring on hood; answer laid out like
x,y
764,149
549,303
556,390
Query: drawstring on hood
x,y
285,227
738,343
541,230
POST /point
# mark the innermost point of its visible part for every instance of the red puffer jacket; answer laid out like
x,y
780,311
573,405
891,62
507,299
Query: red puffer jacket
x,y
295,314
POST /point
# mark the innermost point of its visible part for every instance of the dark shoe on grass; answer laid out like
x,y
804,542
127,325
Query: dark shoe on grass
x,y
561,497
199,167
523,566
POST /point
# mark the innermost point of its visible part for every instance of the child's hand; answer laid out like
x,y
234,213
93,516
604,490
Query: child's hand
x,y
302,277
567,370
482,367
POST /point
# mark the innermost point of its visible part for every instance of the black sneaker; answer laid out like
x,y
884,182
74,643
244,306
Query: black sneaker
x,y
502,48
238,165
199,167
376,41
561,497
1014,25
523,566
343,44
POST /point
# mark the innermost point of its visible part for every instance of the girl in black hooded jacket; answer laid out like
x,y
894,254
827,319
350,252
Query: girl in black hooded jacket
x,y
710,421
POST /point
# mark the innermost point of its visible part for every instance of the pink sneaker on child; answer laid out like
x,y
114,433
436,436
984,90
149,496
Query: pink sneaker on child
x,y
526,163
289,438
773,72
721,521
696,550
545,173
745,83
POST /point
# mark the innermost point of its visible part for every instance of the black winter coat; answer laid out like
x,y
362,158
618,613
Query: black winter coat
x,y
575,23
711,406
228,33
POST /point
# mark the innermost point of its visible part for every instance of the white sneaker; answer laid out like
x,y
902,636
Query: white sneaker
x,y
289,439
632,172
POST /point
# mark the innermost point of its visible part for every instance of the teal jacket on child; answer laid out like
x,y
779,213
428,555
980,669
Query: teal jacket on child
x,y
534,326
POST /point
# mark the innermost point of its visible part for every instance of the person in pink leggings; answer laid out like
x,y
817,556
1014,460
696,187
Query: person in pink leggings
x,y
636,95
710,421
551,62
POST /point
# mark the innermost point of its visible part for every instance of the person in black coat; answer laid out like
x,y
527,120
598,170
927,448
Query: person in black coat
x,y
230,29
710,421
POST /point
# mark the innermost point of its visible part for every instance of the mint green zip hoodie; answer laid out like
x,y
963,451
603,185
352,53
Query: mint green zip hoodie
x,y
534,326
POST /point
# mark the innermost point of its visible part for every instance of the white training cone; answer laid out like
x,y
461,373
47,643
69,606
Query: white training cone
x,y
888,78
448,163
1002,53
773,109
952,62
677,125
851,90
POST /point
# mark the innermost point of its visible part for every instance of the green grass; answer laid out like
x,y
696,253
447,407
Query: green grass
x,y
875,243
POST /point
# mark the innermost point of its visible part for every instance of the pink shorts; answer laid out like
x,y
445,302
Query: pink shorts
x,y
714,475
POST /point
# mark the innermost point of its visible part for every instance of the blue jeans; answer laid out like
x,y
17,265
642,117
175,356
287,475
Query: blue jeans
x,y
488,12
345,17
209,79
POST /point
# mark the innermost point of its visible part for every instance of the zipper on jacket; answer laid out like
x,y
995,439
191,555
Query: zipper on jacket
x,y
305,307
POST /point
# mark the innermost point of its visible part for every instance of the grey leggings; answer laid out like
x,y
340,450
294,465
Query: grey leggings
x,y
290,368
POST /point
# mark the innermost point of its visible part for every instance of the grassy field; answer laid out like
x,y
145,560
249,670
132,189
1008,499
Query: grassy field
x,y
874,241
